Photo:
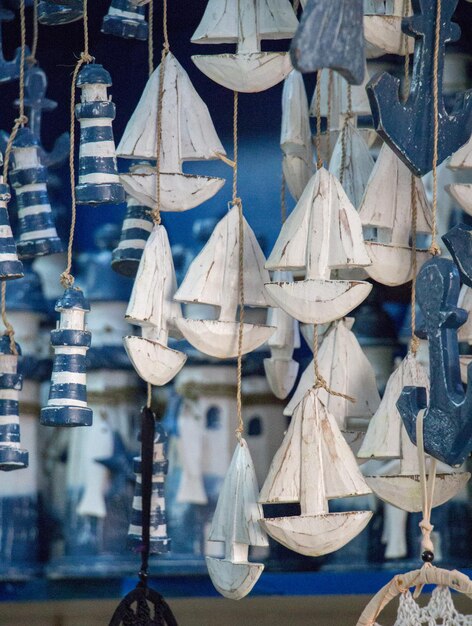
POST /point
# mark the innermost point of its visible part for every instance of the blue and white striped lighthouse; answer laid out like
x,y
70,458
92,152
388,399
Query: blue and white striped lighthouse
x,y
12,457
52,13
10,265
159,541
99,182
67,404
137,226
126,19
38,235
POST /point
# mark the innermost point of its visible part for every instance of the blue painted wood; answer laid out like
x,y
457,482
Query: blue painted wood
x,y
137,226
99,182
125,19
10,266
67,404
448,418
52,14
458,241
331,35
407,127
9,70
38,235
12,457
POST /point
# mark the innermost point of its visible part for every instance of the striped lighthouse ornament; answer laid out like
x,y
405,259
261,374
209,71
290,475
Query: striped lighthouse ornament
x,y
37,231
67,404
99,182
12,457
159,542
125,19
10,266
137,226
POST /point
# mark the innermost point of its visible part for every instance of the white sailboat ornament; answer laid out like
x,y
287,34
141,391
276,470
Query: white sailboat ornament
x,y
246,23
390,247
462,192
386,438
323,233
187,134
382,27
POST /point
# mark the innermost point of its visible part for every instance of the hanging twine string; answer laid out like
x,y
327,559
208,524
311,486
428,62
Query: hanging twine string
x,y
328,116
66,278
149,395
349,115
34,46
319,380
319,160
151,37
415,342
434,248
406,66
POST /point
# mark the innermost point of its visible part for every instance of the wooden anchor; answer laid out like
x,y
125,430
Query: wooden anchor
x,y
447,421
408,126
9,70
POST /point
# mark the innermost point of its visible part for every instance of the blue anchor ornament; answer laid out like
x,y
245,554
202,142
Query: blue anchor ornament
x,y
408,127
448,418
9,70
159,541
35,103
126,19
67,404
331,35
38,235
51,13
137,226
12,457
10,266
99,182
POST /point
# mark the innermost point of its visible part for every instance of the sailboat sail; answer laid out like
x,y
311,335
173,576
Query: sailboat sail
x,y
462,159
212,278
188,131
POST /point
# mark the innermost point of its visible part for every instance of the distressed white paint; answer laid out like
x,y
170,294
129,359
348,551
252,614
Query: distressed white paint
x,y
187,134
391,219
323,233
383,35
394,534
462,194
295,136
314,464
191,434
236,523
213,278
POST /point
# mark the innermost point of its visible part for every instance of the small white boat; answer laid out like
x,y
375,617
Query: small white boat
x,y
383,28
462,192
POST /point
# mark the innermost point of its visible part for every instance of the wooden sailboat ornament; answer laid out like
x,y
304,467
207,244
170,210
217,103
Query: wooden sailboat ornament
x,y
389,222
462,192
383,28
323,233
187,134
246,23
313,465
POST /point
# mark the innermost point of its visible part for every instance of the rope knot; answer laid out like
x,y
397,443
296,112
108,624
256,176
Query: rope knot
x,y
85,57
21,120
434,249
414,344
67,280
426,530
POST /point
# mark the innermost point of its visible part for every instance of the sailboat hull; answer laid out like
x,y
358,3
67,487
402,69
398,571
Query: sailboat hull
x,y
281,375
383,35
178,192
404,492
319,301
155,363
315,535
233,580
220,339
462,193
391,264
247,72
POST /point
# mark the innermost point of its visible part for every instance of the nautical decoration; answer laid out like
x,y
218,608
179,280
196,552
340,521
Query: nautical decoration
x,y
383,28
187,133
9,70
159,541
67,404
151,306
126,19
12,457
462,192
10,266
99,182
407,127
281,369
398,482
38,235
245,23
447,435
314,464
236,523
295,135
339,45
388,225
346,369
323,233
50,13
137,226
212,278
